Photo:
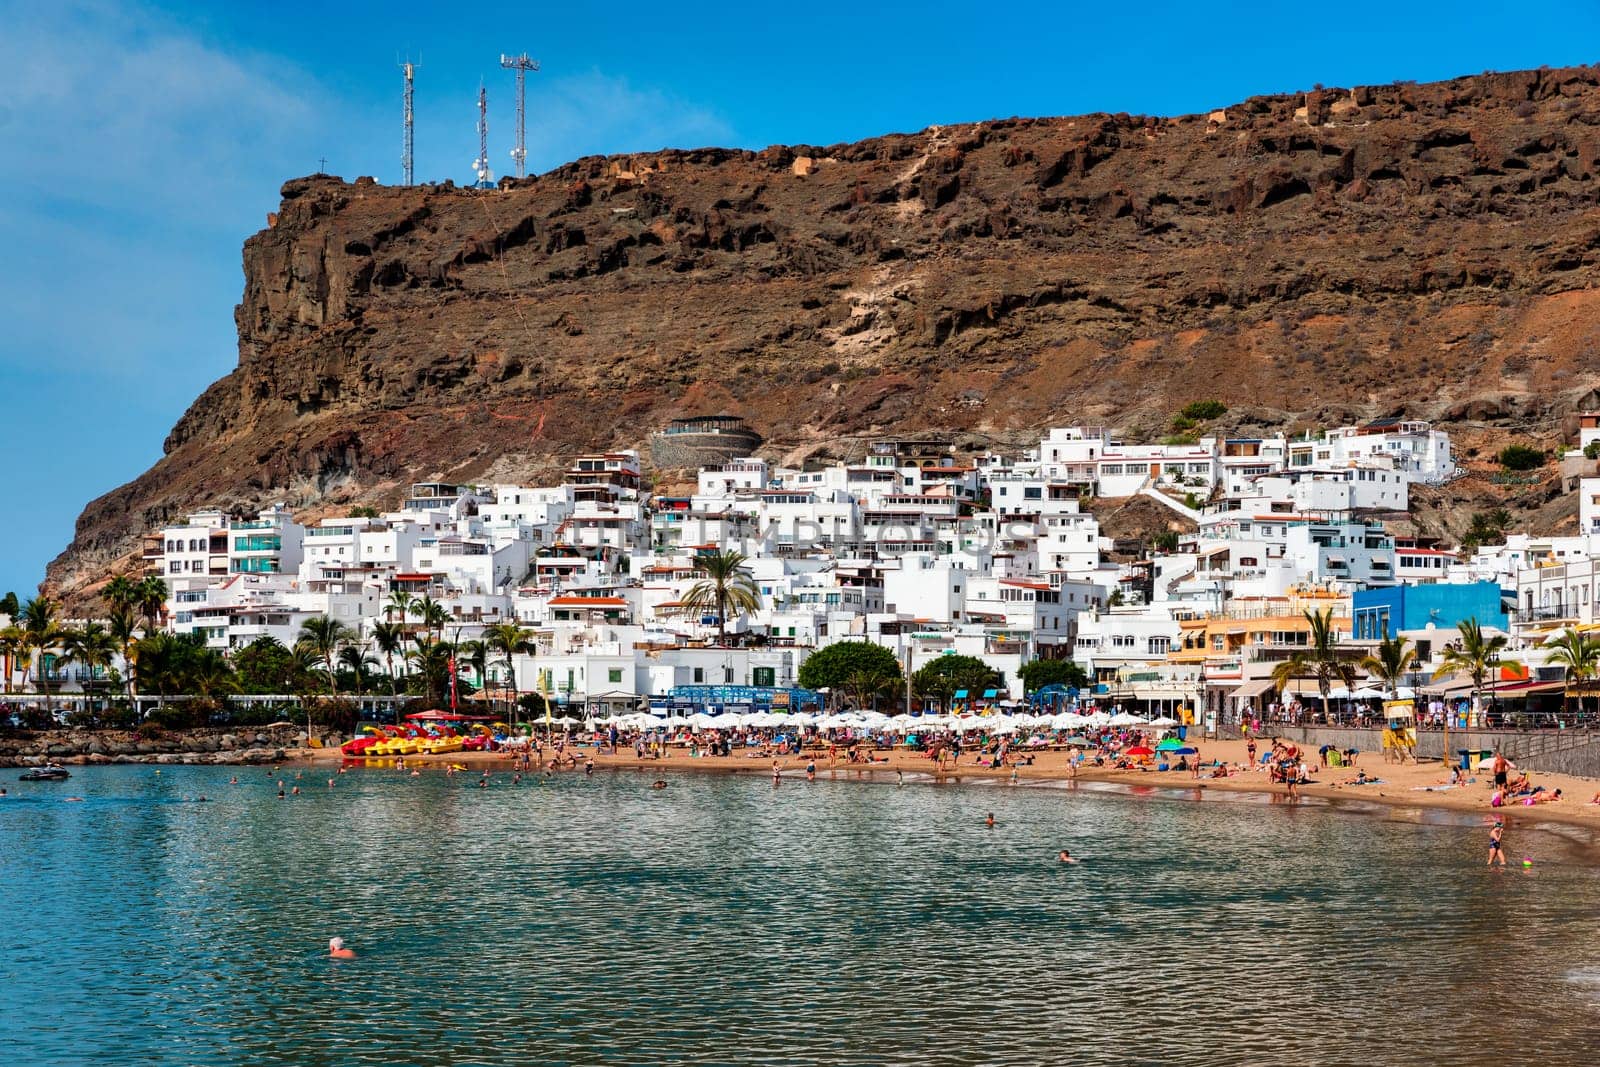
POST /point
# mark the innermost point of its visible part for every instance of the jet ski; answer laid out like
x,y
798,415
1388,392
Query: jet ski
x,y
49,773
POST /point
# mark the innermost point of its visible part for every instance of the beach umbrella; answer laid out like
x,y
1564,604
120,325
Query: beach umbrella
x,y
1139,750
1125,719
1078,742
1164,721
1168,744
1183,750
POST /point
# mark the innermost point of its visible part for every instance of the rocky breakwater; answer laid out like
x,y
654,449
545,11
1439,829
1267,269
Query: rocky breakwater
x,y
243,746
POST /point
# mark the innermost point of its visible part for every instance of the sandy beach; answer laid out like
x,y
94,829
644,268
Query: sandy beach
x,y
1414,785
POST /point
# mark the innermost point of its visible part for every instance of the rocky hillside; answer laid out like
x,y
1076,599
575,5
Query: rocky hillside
x,y
1421,249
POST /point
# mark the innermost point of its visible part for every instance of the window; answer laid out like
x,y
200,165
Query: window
x,y
1032,492
614,676
699,675
767,676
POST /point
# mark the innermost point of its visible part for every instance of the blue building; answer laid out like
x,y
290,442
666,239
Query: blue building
x,y
1380,613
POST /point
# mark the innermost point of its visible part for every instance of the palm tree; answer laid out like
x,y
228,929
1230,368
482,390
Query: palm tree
x,y
325,635
40,634
93,646
1393,660
152,599
124,629
12,645
727,588
1321,659
866,686
121,592
358,662
209,674
161,658
1474,655
509,640
475,654
399,604
387,638
1580,655
432,661
433,615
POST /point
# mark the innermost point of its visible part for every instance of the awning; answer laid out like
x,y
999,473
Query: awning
x,y
960,694
1455,685
990,694
1254,688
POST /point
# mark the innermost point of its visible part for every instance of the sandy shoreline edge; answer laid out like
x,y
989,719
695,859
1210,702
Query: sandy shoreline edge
x,y
1402,787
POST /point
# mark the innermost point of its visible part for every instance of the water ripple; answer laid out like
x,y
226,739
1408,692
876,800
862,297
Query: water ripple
x,y
722,920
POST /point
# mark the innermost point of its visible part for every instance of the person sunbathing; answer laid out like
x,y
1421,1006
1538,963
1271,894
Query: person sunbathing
x,y
1542,796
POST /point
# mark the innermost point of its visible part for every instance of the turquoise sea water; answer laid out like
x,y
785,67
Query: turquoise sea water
x,y
723,921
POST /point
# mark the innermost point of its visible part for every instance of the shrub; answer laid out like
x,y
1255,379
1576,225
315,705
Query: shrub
x,y
1521,458
1165,541
1201,410
1592,450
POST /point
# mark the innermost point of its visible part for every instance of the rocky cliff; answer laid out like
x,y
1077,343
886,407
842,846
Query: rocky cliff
x,y
1428,250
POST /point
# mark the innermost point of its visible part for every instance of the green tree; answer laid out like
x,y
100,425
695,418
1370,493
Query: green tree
x,y
10,607
92,645
325,636
727,589
947,675
865,687
123,626
387,638
509,640
474,654
152,600
1579,656
1038,673
1473,654
430,661
829,666
399,606
1322,659
265,666
1165,541
163,662
41,635
13,646
359,665
1390,662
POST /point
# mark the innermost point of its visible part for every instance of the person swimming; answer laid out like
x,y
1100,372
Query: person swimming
x,y
337,951
659,783
989,822
1066,857
1496,850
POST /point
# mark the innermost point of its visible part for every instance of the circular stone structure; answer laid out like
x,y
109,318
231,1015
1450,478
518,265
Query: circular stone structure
x,y
703,441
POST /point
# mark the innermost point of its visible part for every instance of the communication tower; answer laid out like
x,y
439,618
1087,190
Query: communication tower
x,y
480,166
410,69
521,64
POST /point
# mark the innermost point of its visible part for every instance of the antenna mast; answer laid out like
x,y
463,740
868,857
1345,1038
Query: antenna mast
x,y
521,64
481,165
405,157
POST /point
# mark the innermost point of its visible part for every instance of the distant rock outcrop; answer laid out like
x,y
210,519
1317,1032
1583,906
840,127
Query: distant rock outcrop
x,y
1425,249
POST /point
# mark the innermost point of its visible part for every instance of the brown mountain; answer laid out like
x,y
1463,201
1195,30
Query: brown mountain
x,y
1338,254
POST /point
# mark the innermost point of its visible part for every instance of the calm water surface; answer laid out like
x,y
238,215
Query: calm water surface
x,y
723,921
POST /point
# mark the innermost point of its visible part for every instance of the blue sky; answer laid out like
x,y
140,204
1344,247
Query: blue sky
x,y
140,143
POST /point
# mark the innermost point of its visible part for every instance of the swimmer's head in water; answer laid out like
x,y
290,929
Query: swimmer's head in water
x,y
335,944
